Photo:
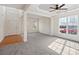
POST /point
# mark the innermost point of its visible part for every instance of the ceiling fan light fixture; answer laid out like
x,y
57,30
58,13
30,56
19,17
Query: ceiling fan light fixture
x,y
57,7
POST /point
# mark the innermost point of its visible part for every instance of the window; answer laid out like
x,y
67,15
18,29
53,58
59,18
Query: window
x,y
63,25
69,24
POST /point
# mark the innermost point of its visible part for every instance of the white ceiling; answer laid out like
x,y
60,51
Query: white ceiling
x,y
45,7
42,9
18,6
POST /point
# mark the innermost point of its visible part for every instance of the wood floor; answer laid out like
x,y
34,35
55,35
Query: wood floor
x,y
11,39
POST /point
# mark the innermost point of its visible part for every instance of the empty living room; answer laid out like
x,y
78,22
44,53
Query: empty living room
x,y
39,29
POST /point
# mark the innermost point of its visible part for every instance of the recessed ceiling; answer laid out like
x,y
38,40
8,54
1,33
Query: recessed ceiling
x,y
46,7
18,6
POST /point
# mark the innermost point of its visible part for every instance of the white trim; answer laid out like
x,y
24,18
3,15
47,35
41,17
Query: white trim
x,y
25,26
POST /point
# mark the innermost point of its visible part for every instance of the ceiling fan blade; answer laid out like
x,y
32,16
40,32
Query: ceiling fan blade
x,y
51,10
63,9
51,7
62,5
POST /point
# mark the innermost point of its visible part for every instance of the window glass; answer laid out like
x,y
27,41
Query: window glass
x,y
68,24
62,24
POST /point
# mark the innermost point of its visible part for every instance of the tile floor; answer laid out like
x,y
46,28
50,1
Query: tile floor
x,y
65,47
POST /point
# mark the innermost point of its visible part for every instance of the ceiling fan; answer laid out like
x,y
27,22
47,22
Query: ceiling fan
x,y
58,7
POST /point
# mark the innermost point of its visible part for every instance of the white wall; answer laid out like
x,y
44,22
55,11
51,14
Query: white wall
x,y
44,25
2,18
11,21
52,26
30,23
55,24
